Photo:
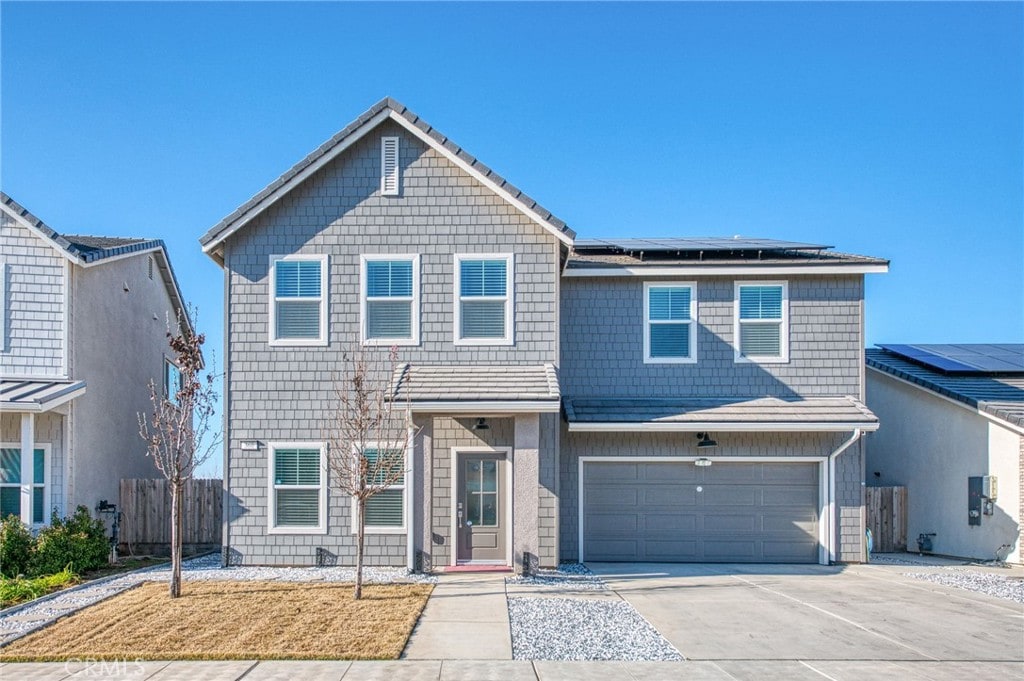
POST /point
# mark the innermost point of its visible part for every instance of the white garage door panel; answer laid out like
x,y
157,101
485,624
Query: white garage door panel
x,y
743,512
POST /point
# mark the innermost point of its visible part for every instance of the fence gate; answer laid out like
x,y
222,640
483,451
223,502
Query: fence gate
x,y
145,506
887,517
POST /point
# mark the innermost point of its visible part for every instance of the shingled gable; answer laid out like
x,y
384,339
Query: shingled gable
x,y
386,109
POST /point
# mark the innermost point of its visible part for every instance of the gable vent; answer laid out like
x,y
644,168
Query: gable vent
x,y
389,166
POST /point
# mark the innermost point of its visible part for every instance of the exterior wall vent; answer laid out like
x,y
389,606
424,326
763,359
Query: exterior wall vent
x,y
389,177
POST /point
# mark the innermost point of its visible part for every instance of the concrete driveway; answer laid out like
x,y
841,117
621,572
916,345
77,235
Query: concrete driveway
x,y
747,613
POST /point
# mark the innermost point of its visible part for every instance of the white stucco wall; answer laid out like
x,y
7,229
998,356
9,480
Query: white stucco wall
x,y
932,445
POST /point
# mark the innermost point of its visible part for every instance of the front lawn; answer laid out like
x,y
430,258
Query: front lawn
x,y
220,620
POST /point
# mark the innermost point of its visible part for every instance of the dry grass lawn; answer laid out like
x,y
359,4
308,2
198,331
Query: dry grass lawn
x,y
234,620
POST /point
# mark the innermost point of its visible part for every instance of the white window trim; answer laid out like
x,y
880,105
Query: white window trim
x,y
47,475
325,278
405,487
509,299
384,191
692,322
414,300
783,357
167,388
272,528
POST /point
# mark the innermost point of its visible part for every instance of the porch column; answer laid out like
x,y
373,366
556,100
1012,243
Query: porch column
x,y
526,492
423,498
28,446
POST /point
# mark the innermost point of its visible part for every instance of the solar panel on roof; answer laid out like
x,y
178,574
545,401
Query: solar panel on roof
x,y
695,244
971,358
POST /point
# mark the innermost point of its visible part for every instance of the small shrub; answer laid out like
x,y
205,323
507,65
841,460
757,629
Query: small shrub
x,y
78,542
20,589
16,545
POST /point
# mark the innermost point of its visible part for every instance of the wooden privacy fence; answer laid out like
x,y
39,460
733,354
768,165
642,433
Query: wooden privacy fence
x,y
887,517
145,507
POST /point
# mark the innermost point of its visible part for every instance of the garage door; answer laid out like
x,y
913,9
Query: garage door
x,y
679,512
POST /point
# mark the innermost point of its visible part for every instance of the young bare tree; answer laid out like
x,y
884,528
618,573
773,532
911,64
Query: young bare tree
x,y
179,432
368,438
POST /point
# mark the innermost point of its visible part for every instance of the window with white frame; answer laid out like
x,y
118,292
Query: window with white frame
x,y
390,308
761,322
483,299
10,483
298,489
385,510
172,381
670,326
298,300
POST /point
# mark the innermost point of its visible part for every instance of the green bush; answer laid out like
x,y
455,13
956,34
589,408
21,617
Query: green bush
x,y
79,543
16,546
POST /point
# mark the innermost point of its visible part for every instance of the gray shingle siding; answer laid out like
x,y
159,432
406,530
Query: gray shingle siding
x,y
285,393
602,342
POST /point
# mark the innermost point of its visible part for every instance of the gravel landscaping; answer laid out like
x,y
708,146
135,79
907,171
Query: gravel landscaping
x,y
567,577
583,629
971,580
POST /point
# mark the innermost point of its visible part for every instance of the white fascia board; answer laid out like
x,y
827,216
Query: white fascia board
x,y
730,271
281,191
115,258
476,174
718,427
32,228
963,405
486,407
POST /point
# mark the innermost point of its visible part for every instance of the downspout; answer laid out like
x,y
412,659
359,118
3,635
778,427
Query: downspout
x,y
832,491
410,497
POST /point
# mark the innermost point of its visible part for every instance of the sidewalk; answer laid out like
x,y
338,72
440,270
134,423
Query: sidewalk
x,y
466,618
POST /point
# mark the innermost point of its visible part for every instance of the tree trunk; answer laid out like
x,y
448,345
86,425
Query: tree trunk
x,y
176,512
360,527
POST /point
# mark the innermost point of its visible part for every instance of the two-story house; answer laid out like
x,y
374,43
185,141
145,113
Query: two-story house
x,y
680,400
83,322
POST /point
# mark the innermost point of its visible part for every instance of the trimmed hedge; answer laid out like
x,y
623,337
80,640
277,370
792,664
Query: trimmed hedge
x,y
77,543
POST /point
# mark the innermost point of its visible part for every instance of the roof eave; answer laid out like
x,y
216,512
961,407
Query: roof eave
x,y
721,426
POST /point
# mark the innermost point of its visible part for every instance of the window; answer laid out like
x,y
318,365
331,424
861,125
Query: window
x,y
670,329
298,301
10,483
761,322
172,382
390,310
389,171
385,510
483,299
298,490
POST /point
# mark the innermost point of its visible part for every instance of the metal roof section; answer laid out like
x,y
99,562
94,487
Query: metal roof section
x,y
89,250
755,414
37,395
386,108
470,389
994,392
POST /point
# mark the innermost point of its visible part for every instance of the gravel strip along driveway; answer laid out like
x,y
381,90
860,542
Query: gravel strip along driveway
x,y
971,580
24,619
583,629
568,577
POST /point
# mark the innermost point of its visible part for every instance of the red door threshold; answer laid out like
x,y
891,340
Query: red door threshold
x,y
476,568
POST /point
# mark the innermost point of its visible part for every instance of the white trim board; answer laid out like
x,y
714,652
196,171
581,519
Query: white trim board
x,y
488,408
719,427
722,271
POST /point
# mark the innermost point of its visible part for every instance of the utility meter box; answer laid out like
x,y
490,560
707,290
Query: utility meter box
x,y
990,487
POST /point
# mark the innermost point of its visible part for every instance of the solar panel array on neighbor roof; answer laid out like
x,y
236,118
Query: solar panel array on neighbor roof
x,y
973,358
694,244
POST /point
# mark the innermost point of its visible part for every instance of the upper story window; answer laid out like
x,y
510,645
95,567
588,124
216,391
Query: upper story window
x,y
298,300
172,381
484,299
390,179
10,483
670,327
761,325
298,489
390,299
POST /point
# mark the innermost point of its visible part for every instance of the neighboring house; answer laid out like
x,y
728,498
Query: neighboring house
x,y
954,422
83,322
558,386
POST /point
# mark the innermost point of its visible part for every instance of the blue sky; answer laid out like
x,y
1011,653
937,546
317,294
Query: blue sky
x,y
893,130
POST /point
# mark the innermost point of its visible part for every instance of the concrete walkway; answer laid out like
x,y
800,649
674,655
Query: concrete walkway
x,y
466,618
507,670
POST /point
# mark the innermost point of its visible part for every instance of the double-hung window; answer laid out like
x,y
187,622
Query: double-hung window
x,y
298,488
298,300
670,323
390,291
761,328
10,483
484,299
385,510
172,382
